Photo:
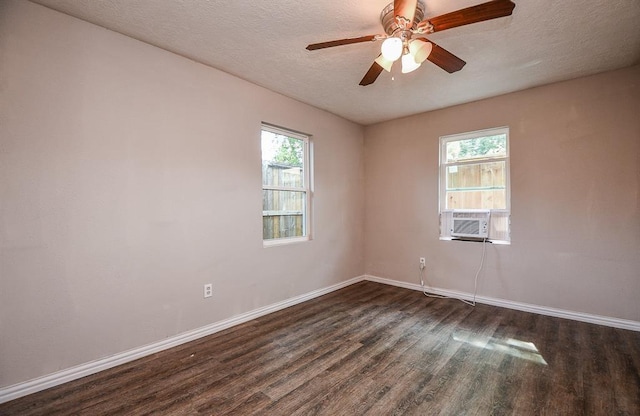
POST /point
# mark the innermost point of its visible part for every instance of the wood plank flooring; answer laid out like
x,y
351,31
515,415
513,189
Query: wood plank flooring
x,y
377,350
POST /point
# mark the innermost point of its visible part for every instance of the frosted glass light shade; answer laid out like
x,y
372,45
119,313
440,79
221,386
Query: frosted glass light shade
x,y
420,49
384,63
408,63
391,49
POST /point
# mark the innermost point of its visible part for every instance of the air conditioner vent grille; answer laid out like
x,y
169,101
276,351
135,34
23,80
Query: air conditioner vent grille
x,y
466,226
475,227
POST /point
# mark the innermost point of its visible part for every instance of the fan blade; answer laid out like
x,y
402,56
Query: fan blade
x,y
372,74
473,14
406,9
340,42
445,59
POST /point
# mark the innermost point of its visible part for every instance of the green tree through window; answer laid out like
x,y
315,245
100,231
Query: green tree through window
x,y
289,152
482,146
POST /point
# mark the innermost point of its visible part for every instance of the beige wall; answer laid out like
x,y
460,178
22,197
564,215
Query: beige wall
x,y
575,186
129,177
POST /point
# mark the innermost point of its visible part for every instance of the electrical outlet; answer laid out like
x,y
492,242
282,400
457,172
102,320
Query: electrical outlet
x,y
423,263
208,290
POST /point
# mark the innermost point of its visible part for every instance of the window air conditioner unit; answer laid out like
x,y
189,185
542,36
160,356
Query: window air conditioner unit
x,y
472,223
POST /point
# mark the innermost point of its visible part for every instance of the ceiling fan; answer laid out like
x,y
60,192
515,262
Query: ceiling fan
x,y
405,30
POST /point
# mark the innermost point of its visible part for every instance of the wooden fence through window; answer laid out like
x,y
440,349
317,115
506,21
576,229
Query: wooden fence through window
x,y
282,211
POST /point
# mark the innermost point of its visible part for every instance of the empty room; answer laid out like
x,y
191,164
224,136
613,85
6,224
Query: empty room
x,y
419,207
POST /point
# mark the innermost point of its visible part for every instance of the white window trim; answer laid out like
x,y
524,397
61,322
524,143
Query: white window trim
x,y
443,179
307,188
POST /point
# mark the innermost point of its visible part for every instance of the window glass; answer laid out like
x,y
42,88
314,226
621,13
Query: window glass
x,y
476,186
285,185
286,156
477,148
474,180
283,214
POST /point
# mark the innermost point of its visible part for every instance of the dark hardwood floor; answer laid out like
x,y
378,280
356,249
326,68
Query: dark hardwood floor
x,y
372,349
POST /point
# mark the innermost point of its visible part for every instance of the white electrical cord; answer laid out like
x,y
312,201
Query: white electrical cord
x,y
475,283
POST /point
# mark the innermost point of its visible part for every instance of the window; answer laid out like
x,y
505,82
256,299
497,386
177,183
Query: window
x,y
286,195
474,180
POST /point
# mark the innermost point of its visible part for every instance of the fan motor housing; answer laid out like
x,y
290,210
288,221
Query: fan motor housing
x,y
389,22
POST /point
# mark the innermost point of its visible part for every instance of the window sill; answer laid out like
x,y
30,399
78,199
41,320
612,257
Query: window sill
x,y
283,241
471,240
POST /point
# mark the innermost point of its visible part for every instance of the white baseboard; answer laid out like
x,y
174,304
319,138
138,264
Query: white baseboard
x,y
74,373
526,307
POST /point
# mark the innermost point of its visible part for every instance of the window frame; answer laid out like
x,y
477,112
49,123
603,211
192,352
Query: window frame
x,y
306,189
442,180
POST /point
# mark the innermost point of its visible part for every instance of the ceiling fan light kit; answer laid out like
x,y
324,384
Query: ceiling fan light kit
x,y
409,64
420,49
384,63
392,49
405,27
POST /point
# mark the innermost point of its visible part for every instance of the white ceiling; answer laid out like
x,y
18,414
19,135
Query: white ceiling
x,y
264,42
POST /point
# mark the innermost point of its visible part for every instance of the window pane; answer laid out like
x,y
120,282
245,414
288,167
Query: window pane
x,y
282,160
283,214
475,199
480,147
477,186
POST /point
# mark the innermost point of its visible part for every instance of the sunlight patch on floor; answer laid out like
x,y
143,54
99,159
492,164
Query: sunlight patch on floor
x,y
513,347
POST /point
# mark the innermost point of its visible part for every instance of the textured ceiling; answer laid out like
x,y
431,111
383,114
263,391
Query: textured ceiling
x,y
264,42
